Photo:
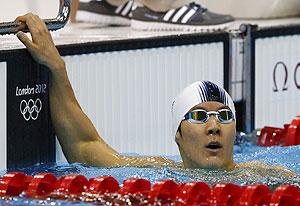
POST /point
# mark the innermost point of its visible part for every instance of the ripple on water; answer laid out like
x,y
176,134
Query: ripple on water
x,y
285,156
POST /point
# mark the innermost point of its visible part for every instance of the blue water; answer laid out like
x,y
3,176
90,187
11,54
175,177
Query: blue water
x,y
284,156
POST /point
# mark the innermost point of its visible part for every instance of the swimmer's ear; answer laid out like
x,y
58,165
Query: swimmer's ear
x,y
178,138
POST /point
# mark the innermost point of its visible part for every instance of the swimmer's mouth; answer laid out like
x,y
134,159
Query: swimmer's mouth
x,y
214,146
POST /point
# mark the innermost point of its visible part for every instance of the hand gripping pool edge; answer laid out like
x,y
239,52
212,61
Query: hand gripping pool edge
x,y
52,24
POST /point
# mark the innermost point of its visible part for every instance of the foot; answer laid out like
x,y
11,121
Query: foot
x,y
102,12
191,17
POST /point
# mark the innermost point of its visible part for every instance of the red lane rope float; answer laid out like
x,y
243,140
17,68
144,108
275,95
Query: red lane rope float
x,y
70,187
138,192
105,184
270,136
225,194
73,184
256,194
41,185
287,136
136,185
13,184
164,190
293,132
194,193
285,195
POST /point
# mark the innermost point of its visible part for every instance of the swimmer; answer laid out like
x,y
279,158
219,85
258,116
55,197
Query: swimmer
x,y
204,121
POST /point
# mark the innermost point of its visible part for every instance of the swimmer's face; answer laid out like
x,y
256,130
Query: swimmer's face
x,y
207,145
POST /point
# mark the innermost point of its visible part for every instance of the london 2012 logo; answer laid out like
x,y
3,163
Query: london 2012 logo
x,y
30,109
284,79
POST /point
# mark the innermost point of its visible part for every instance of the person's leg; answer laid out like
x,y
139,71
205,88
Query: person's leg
x,y
116,2
163,5
75,3
74,8
105,12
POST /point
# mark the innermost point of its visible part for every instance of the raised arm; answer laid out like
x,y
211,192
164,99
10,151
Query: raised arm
x,y
77,135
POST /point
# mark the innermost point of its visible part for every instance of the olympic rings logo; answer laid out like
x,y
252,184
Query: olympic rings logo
x,y
30,109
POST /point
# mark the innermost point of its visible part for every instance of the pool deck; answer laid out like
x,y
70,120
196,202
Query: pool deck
x,y
83,32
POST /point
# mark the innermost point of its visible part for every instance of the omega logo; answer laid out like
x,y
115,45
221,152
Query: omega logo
x,y
284,80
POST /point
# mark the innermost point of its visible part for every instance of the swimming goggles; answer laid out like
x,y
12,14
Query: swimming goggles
x,y
200,116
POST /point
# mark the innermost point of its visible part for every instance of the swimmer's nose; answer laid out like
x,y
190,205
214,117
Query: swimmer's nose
x,y
213,127
214,131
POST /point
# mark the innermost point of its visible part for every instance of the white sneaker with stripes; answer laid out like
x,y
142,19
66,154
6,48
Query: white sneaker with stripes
x,y
102,12
191,17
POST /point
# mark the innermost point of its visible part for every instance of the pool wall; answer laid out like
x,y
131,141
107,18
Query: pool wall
x,y
26,131
135,84
272,68
3,155
128,92
137,79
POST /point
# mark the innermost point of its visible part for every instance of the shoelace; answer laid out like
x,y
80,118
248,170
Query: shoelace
x,y
197,7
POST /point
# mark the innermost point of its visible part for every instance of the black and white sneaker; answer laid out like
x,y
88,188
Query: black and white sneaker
x,y
191,17
101,12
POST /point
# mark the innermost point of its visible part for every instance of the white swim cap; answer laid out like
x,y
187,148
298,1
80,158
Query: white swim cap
x,y
194,94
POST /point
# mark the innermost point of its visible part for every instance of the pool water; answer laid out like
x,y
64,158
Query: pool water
x,y
285,156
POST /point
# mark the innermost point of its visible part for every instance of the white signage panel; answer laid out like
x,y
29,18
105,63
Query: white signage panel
x,y
128,94
277,80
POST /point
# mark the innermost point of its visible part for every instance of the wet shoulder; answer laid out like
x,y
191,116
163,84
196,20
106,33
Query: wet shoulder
x,y
264,168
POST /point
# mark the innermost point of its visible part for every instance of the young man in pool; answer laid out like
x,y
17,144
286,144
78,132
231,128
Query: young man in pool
x,y
203,117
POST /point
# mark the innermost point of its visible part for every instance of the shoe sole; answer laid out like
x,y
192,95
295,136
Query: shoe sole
x,y
159,26
85,16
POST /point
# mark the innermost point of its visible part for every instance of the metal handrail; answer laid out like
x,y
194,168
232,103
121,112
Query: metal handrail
x,y
52,24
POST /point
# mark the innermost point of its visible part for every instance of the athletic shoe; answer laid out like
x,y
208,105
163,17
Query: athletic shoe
x,y
101,12
191,17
